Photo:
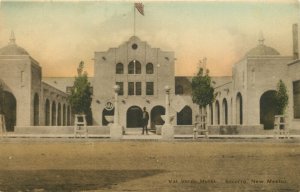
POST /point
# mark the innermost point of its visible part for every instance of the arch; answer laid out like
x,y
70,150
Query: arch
x,y
64,115
184,117
217,106
106,112
36,109
134,117
53,118
155,115
211,109
47,112
119,68
149,68
268,109
179,90
8,107
239,108
59,114
225,111
134,67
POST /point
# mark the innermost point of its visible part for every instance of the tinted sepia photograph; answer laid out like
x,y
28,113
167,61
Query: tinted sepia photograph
x,y
145,96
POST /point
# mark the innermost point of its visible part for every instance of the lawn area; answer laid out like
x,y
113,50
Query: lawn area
x,y
103,165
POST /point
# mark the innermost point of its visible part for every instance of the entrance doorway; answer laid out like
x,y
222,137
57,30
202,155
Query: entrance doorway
x,y
268,109
184,117
106,112
134,117
156,113
8,106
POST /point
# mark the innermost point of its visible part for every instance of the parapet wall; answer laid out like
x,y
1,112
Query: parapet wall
x,y
60,130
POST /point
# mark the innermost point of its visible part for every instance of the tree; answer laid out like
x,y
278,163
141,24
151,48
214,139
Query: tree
x,y
80,98
202,89
282,97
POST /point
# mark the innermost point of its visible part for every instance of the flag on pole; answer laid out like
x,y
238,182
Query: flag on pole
x,y
139,7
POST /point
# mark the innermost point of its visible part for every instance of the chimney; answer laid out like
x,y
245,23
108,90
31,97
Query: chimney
x,y
295,41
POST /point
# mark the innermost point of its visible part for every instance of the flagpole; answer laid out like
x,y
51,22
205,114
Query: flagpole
x,y
134,20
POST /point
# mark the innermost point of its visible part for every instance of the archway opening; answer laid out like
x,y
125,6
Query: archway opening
x,y
217,112
156,113
64,115
239,109
36,111
68,115
225,111
106,112
211,109
47,112
59,114
134,117
8,109
53,113
268,109
185,116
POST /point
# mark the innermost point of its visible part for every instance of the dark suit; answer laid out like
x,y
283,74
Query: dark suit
x,y
145,121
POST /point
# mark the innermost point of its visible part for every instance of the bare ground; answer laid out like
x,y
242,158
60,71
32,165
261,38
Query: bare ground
x,y
99,165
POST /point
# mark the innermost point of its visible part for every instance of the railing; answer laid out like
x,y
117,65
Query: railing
x,y
281,127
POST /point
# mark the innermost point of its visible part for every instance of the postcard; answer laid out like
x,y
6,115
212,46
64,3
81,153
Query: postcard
x,y
149,95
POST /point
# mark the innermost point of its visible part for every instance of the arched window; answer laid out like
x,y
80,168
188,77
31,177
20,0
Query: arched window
x,y
119,68
149,68
134,67
138,67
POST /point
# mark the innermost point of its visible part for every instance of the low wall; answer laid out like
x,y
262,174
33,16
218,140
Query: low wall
x,y
178,129
238,130
221,130
60,130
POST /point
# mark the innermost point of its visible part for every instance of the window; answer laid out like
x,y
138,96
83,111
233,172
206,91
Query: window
x,y
296,97
134,67
119,68
138,88
130,88
121,85
138,67
179,90
134,88
149,68
149,88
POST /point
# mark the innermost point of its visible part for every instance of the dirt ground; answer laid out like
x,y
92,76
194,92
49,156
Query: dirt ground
x,y
103,165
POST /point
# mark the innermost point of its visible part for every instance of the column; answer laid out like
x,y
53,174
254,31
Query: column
x,y
167,131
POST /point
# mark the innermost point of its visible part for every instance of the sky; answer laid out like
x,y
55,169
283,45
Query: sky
x,y
61,34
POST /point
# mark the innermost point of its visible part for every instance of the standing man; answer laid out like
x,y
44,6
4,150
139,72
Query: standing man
x,y
145,120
